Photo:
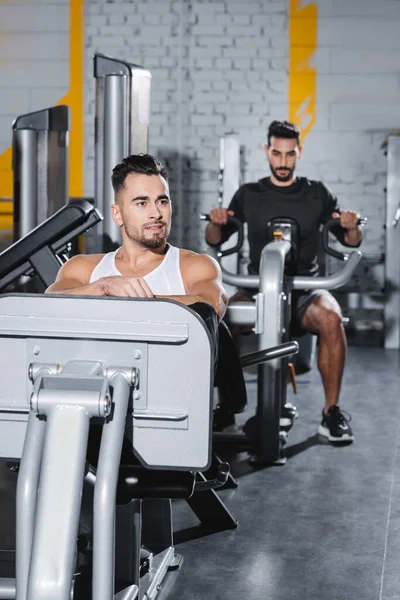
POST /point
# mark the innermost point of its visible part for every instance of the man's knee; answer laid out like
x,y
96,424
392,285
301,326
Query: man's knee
x,y
323,319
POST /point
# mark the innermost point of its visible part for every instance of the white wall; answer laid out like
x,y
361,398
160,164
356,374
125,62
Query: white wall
x,y
34,58
219,66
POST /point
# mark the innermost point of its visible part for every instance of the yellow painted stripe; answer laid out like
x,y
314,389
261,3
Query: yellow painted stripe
x,y
303,24
74,99
6,215
6,182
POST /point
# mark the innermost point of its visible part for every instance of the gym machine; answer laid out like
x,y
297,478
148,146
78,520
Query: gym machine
x,y
270,315
126,365
40,166
392,250
41,252
121,128
229,182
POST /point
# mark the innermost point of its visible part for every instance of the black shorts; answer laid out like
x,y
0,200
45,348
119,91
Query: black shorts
x,y
301,300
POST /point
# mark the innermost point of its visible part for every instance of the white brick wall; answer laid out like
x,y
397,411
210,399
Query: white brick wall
x,y
219,66
215,67
358,105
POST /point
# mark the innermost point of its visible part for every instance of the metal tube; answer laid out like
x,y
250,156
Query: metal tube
x,y
130,593
332,282
249,281
105,492
242,313
269,394
299,282
115,142
392,246
25,182
57,519
255,358
7,589
230,182
27,489
139,111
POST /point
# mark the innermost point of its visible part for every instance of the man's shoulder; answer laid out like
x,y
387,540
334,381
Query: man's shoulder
x,y
253,186
87,259
313,184
190,255
83,262
190,259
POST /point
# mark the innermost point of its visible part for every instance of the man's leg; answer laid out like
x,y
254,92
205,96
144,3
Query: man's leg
x,y
324,318
232,395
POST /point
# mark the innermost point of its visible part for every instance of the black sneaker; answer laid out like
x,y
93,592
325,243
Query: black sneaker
x,y
335,426
224,419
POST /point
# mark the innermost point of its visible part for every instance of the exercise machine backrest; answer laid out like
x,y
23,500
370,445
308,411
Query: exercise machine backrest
x,y
38,252
164,345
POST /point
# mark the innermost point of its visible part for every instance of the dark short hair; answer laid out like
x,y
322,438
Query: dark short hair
x,y
143,164
283,129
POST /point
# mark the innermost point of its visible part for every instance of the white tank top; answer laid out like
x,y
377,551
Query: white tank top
x,y
164,280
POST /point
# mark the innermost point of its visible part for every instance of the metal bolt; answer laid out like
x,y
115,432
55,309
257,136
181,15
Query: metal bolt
x,y
138,354
136,396
36,350
107,404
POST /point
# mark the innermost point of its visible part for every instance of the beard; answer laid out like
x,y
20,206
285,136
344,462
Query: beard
x,y
284,174
152,241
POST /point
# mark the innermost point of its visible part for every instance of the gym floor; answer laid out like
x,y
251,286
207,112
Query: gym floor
x,y
326,526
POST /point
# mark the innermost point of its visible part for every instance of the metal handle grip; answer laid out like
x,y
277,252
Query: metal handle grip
x,y
239,226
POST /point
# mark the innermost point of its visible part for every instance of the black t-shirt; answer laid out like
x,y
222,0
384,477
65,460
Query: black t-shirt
x,y
310,203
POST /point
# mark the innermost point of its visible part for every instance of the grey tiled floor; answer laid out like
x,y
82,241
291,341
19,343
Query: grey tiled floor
x,y
326,526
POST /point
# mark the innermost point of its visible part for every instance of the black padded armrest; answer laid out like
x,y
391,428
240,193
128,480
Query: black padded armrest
x,y
64,221
55,233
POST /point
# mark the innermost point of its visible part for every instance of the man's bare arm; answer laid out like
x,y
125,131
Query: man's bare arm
x,y
353,237
203,278
74,277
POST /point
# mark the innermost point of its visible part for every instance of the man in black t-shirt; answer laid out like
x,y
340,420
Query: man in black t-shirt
x,y
311,204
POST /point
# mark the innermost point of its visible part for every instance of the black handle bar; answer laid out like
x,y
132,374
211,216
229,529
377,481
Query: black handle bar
x,y
329,225
261,356
239,226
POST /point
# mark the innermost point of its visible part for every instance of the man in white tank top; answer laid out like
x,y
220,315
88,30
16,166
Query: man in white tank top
x,y
145,266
